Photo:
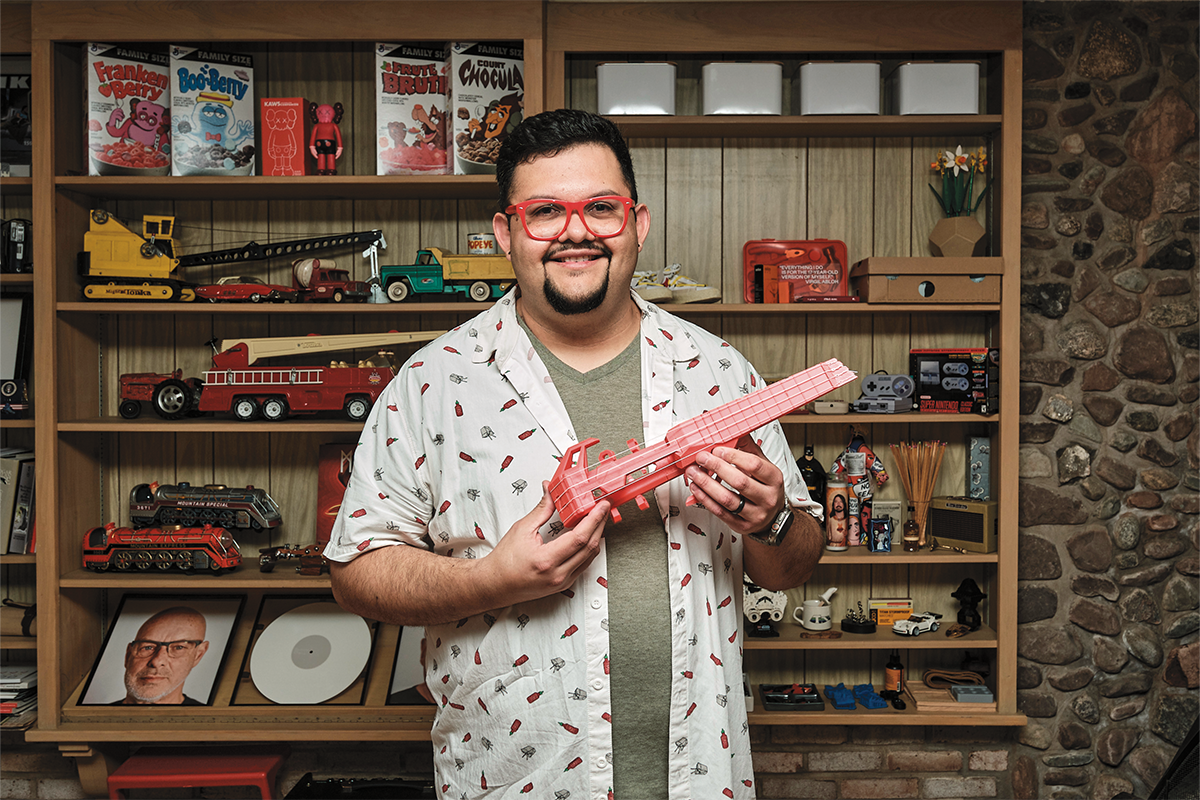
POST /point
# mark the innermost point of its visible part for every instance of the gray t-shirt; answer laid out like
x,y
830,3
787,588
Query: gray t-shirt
x,y
606,403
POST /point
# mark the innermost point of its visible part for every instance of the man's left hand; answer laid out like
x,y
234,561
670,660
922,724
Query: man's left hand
x,y
723,479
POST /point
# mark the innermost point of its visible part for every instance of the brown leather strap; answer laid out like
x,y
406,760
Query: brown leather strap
x,y
945,678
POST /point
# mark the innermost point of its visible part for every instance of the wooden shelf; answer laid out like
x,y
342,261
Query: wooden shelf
x,y
150,423
308,728
762,127
882,639
12,424
246,577
357,309
18,186
10,279
860,555
313,187
18,642
22,558
885,419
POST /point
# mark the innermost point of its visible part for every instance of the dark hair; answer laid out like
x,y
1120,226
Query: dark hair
x,y
551,132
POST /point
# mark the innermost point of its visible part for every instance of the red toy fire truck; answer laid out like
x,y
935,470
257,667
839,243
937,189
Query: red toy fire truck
x,y
274,393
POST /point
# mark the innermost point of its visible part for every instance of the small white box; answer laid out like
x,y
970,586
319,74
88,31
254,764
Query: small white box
x,y
624,87
735,87
837,87
934,87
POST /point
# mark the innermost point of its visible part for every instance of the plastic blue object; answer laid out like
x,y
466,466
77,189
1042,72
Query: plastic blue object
x,y
840,696
866,695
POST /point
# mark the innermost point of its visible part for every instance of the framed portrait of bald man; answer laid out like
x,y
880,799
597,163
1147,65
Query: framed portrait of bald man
x,y
163,650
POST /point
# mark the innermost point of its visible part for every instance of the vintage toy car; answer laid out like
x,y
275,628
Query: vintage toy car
x,y
916,624
240,288
311,558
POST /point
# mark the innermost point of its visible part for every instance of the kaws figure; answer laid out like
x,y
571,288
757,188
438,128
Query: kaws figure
x,y
325,144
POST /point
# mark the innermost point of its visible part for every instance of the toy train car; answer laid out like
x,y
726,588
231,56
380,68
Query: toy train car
x,y
187,549
213,504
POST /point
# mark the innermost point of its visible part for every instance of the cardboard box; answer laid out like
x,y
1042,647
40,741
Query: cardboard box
x,y
334,465
837,87
791,270
934,87
886,610
128,110
412,101
928,280
626,87
956,381
487,85
16,134
740,87
285,125
212,112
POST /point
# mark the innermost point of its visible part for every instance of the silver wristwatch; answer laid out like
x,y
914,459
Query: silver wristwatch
x,y
773,535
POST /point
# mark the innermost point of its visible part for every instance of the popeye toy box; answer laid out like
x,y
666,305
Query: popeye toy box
x,y
212,112
793,271
128,110
412,93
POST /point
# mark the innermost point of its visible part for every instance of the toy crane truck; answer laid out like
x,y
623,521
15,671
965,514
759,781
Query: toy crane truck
x,y
274,393
117,263
480,278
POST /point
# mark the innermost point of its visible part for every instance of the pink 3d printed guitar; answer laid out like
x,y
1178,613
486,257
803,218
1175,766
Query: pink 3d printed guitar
x,y
575,489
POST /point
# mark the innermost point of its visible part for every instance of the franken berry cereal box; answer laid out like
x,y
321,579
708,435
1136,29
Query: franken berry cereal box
x,y
487,84
212,112
128,110
411,95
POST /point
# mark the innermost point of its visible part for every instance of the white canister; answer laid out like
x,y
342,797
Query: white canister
x,y
481,244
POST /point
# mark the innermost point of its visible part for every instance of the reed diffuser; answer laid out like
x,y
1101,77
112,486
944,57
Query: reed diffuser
x,y
918,464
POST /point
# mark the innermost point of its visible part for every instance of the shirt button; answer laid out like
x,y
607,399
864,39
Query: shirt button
x,y
597,685
601,763
596,603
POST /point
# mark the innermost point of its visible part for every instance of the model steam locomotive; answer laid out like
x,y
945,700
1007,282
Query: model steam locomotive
x,y
153,504
187,549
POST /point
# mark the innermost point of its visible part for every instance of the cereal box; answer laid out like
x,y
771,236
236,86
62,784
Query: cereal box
x,y
128,110
212,112
412,89
487,84
284,135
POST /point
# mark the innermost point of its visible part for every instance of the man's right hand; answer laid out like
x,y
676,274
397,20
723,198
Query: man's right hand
x,y
523,567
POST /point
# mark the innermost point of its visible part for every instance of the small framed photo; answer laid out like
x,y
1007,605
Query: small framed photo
x,y
163,650
408,675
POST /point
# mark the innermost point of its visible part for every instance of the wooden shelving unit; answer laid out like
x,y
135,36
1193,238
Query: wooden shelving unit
x,y
713,184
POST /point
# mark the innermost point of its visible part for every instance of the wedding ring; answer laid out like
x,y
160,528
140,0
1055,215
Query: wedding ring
x,y
741,505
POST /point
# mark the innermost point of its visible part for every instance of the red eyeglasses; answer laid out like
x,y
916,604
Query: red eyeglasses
x,y
546,220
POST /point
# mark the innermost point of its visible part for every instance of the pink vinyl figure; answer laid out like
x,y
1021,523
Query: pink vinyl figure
x,y
325,144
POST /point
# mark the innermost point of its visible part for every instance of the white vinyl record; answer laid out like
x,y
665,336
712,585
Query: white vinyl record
x,y
310,654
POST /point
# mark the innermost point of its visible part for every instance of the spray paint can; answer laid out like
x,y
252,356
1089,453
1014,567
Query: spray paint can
x,y
837,502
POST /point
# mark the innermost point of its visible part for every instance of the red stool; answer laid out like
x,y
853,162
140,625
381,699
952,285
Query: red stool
x,y
162,768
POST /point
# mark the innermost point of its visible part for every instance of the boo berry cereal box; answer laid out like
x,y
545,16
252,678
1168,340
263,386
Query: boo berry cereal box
x,y
212,112
411,96
128,110
487,82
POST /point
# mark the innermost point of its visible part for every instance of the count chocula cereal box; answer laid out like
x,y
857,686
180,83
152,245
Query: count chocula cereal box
x,y
128,110
487,85
212,112
412,89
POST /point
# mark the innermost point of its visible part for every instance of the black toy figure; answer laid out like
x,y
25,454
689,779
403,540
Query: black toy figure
x,y
969,594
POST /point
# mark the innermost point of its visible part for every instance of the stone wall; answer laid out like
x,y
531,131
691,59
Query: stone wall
x,y
1107,601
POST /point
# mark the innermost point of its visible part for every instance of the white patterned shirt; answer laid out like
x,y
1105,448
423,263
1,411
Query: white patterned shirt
x,y
452,455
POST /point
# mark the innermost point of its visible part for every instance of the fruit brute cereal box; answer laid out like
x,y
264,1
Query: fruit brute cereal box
x,y
212,112
487,84
334,462
412,90
128,110
284,125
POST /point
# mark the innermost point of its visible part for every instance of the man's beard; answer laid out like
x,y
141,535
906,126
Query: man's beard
x,y
136,692
568,306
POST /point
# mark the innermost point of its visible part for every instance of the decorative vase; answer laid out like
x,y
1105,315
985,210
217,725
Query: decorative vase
x,y
958,237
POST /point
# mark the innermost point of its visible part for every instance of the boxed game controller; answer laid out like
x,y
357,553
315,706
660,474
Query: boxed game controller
x,y
956,381
790,271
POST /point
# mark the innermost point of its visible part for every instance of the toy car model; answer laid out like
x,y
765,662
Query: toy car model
x,y
311,558
916,624
239,288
